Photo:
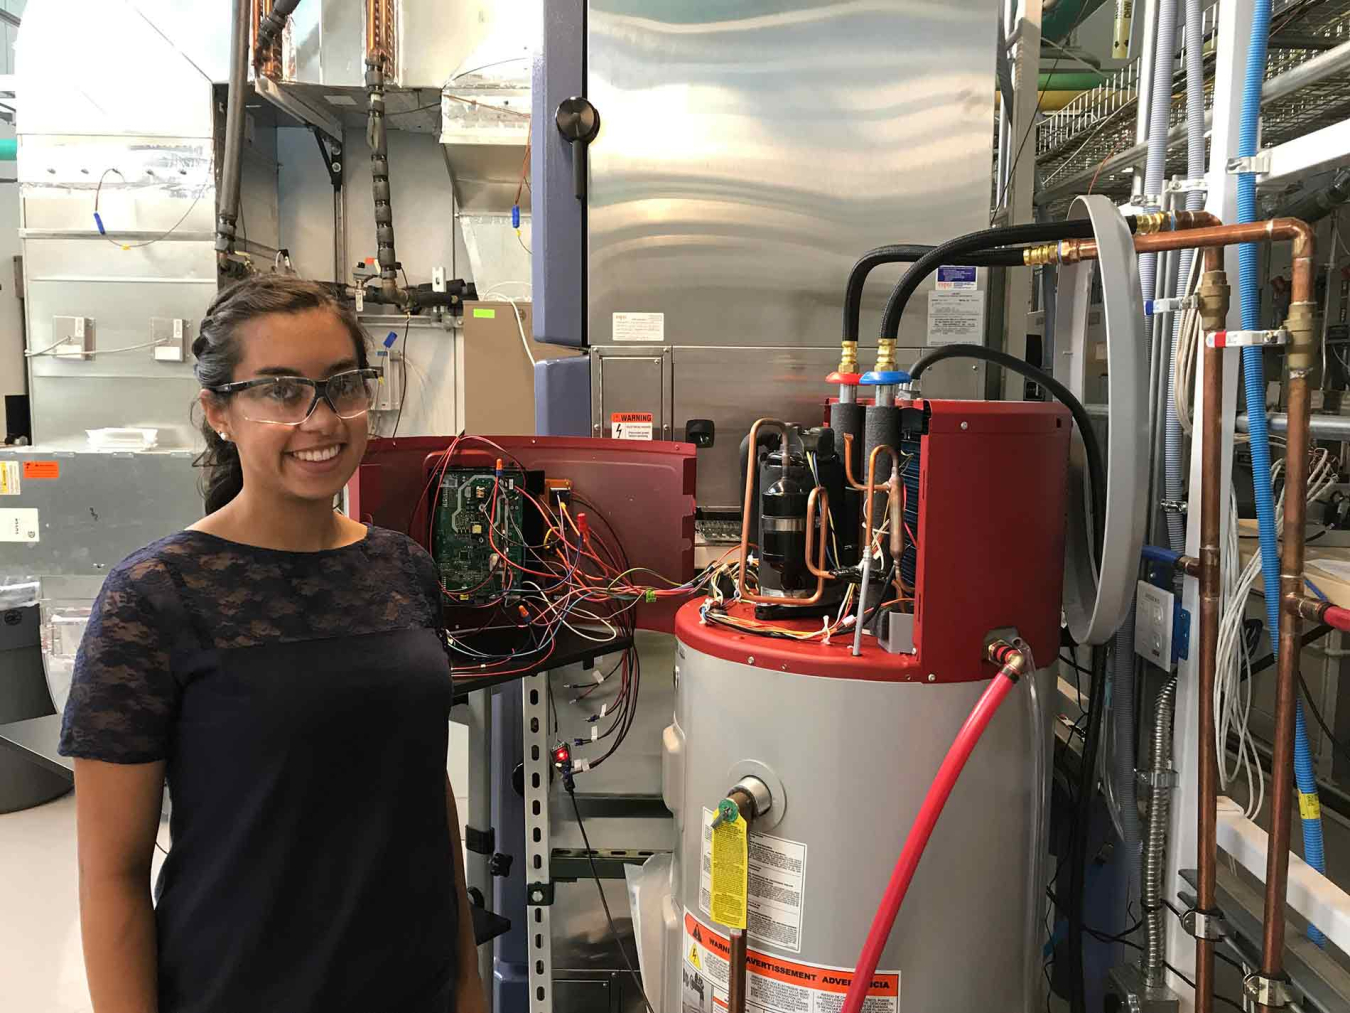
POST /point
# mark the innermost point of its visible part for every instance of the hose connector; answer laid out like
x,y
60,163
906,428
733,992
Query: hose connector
x,y
885,356
1013,661
848,357
1154,221
1215,295
1037,256
1302,347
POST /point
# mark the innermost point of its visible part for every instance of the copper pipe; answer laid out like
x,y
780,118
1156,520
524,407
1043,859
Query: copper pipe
x,y
736,984
871,488
1189,565
751,470
1211,499
854,484
1286,682
822,493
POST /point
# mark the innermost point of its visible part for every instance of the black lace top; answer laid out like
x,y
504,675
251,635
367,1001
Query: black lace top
x,y
301,702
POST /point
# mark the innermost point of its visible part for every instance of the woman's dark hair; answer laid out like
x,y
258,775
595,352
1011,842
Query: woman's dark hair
x,y
217,351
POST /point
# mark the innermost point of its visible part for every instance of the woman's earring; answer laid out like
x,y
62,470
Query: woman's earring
x,y
224,436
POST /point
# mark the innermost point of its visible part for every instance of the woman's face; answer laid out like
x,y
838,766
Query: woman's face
x,y
310,461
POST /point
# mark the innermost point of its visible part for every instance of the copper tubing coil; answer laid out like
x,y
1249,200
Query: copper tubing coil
x,y
819,492
752,469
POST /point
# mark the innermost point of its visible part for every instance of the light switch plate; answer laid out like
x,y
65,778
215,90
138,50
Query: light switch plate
x,y
1153,612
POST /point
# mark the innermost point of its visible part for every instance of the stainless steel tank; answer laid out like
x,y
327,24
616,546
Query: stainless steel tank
x,y
848,761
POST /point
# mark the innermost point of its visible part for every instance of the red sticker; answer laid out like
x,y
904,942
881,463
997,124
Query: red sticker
x,y
41,469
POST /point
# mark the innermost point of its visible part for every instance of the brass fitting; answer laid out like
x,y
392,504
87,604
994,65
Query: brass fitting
x,y
1013,661
885,356
1301,352
1046,253
1154,221
848,357
1214,293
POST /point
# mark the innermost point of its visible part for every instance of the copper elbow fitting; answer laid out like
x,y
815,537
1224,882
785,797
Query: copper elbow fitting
x,y
1012,661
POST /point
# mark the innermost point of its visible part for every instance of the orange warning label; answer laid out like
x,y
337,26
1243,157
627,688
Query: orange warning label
x,y
772,983
630,425
41,469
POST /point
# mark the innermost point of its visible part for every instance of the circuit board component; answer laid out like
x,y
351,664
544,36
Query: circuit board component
x,y
469,532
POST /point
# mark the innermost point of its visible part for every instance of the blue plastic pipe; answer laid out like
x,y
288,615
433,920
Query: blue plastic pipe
x,y
1253,373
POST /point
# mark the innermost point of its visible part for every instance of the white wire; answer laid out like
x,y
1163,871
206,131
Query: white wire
x,y
520,326
84,353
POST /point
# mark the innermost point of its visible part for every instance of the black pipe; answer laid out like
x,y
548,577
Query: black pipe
x,y
1078,857
231,162
1314,205
1092,449
905,253
958,250
269,30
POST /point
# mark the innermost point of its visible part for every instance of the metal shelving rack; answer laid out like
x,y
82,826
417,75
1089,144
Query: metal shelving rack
x,y
1091,142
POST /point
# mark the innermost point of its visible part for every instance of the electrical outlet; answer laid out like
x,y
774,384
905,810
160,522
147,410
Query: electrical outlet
x,y
1153,614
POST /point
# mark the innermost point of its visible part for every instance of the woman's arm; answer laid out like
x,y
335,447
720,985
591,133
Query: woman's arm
x,y
469,994
117,817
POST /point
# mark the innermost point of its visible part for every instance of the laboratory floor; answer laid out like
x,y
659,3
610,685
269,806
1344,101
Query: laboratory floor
x,y
41,963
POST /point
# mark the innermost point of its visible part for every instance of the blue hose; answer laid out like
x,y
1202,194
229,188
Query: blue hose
x,y
1255,380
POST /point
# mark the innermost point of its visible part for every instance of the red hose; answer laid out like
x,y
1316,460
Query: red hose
x,y
938,793
1337,617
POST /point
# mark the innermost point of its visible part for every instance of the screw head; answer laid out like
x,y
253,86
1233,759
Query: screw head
x,y
750,660
336,166
965,425
536,896
932,677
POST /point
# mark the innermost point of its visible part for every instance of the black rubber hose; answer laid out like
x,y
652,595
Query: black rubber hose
x,y
1092,449
905,253
958,251
1087,781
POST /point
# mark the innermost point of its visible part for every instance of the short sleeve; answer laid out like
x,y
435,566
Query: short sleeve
x,y
123,696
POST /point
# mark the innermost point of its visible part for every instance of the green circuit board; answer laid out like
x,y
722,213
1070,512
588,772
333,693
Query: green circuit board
x,y
470,569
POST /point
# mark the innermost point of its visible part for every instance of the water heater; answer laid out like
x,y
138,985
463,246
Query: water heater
x,y
845,745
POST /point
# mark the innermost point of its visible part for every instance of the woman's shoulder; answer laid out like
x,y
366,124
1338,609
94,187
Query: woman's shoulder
x,y
388,540
151,568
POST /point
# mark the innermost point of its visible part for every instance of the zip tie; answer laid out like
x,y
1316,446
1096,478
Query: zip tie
x,y
825,629
597,676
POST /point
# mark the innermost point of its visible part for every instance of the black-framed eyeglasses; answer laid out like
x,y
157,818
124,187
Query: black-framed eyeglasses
x,y
290,400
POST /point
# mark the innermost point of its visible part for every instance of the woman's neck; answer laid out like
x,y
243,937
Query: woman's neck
x,y
295,526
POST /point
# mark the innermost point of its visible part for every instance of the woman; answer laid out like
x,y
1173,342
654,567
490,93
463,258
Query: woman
x,y
282,666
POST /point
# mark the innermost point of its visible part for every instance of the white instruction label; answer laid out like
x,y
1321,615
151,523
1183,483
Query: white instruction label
x,y
630,425
19,525
777,875
955,317
9,478
640,327
772,984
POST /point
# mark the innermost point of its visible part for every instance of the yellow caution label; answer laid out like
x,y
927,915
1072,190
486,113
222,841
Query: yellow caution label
x,y
1309,807
693,957
730,874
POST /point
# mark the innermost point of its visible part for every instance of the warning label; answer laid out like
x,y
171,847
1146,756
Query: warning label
x,y
776,871
955,317
630,425
9,478
772,984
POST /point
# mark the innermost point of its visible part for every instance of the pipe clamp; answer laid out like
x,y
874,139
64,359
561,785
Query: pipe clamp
x,y
1204,925
1258,164
1155,779
1269,992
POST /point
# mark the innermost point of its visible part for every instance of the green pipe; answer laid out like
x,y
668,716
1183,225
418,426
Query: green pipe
x,y
9,149
1066,15
1071,80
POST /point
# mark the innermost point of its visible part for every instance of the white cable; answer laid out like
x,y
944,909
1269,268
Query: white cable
x,y
86,352
520,326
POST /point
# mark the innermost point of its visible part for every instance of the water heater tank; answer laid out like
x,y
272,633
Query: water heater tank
x,y
847,746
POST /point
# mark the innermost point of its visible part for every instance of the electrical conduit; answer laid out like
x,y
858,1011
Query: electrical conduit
x,y
1254,377
1013,665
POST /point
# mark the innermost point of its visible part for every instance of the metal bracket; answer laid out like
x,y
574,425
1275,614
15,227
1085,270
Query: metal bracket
x,y
480,842
1181,632
331,151
1270,992
1258,164
1247,339
1174,506
1155,779
1186,185
1204,924
540,894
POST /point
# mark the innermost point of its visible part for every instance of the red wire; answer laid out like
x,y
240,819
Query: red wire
x,y
938,793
